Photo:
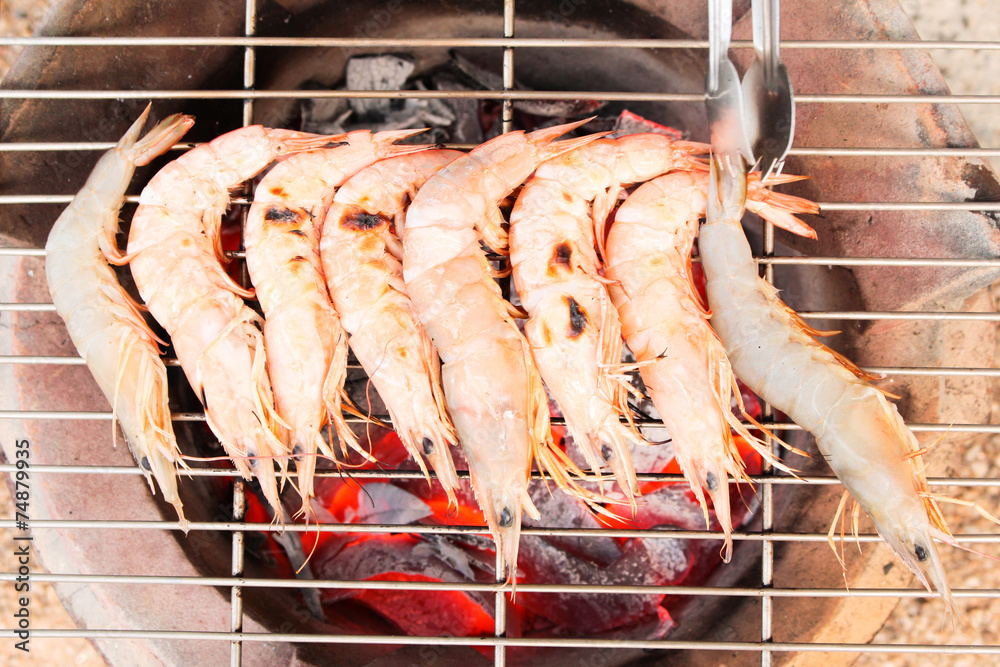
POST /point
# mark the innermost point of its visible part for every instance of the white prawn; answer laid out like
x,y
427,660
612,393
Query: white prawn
x,y
861,434
362,262
102,319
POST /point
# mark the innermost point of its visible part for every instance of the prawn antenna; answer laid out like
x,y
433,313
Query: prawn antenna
x,y
951,541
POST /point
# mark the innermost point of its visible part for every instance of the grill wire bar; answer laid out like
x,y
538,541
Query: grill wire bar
x,y
239,485
768,479
507,124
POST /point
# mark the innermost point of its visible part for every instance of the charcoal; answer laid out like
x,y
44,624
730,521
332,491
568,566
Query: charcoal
x,y
602,124
378,72
561,109
388,504
487,80
291,543
335,125
639,565
560,510
455,557
378,555
466,128
477,76
323,115
631,123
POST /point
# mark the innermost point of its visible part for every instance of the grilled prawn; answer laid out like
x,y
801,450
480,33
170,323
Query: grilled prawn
x,y
305,343
362,262
102,320
857,430
493,391
176,251
573,329
682,362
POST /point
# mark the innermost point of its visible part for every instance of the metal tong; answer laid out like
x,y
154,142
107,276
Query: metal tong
x,y
724,97
755,121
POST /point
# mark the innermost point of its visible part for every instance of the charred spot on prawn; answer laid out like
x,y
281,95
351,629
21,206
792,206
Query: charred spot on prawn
x,y
607,452
298,449
920,552
281,214
297,232
360,220
428,446
145,463
296,264
577,318
711,481
506,518
561,256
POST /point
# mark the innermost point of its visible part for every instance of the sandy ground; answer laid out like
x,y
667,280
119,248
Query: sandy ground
x,y
915,621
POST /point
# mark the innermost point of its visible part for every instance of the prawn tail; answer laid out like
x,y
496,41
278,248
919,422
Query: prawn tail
x,y
494,235
780,209
600,211
139,152
692,147
392,136
544,138
161,138
685,156
695,302
128,313
727,193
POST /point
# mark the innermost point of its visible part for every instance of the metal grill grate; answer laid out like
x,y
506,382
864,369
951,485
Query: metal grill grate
x,y
765,591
